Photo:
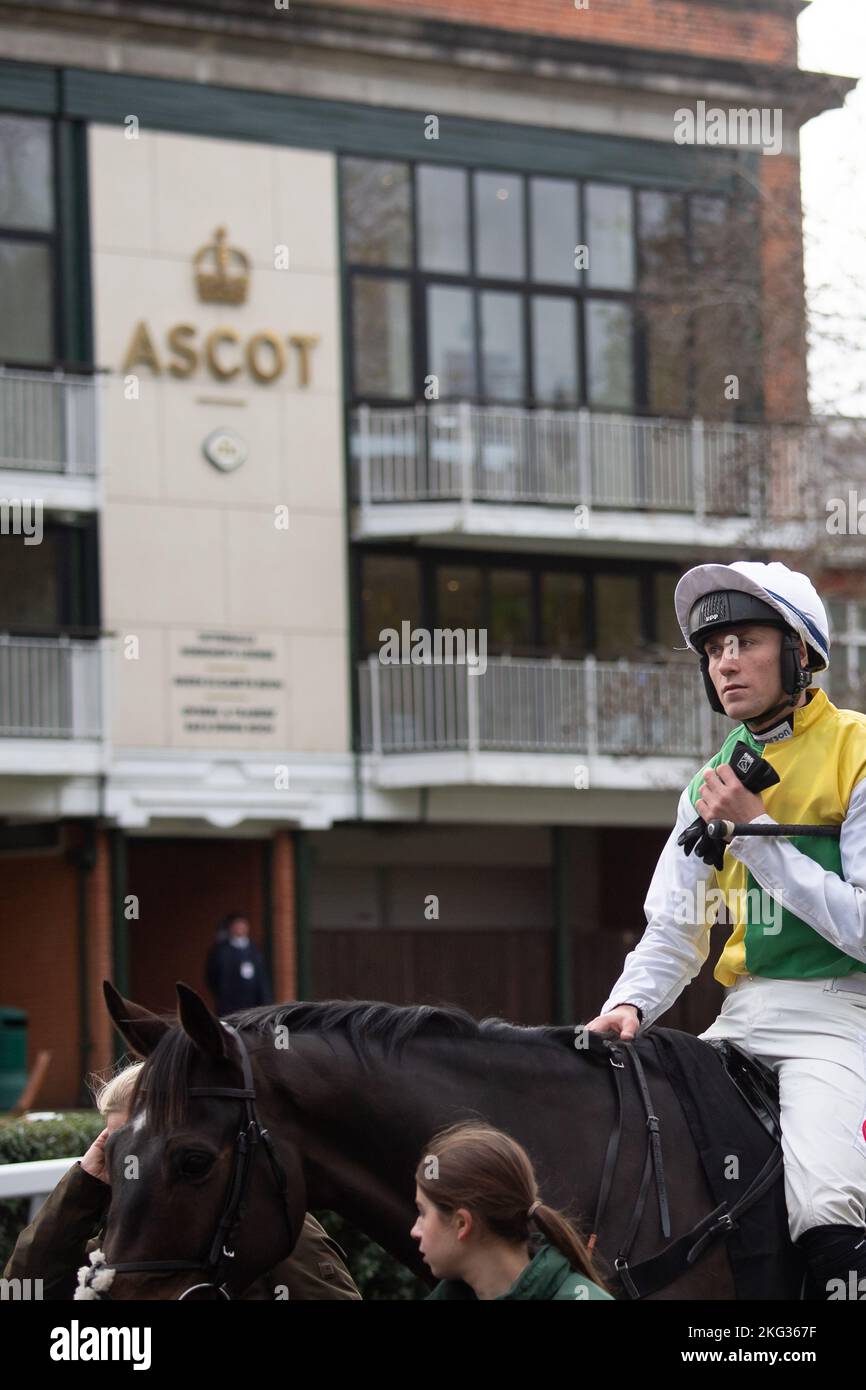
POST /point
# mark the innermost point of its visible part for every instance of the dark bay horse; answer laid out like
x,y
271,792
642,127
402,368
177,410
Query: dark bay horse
x,y
350,1093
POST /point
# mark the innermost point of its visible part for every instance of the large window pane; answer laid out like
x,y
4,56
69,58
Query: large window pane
x,y
617,617
609,354
30,593
663,245
376,217
459,596
708,216
390,595
554,350
381,337
502,346
26,198
666,346
554,231
499,247
26,333
510,612
610,237
451,338
443,231
563,615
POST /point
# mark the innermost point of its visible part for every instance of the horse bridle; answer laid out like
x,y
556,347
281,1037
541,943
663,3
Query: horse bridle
x,y
250,1135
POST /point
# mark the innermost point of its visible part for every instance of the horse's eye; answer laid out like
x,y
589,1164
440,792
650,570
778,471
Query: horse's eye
x,y
194,1164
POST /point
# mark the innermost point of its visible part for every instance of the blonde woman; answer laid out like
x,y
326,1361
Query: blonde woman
x,y
69,1225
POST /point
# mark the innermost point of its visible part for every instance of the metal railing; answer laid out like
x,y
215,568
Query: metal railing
x,y
50,688
467,452
49,423
537,706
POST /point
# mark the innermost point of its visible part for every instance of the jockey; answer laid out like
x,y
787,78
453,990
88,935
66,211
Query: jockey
x,y
793,963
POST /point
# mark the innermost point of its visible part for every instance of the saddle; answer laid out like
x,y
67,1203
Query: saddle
x,y
756,1083
731,1105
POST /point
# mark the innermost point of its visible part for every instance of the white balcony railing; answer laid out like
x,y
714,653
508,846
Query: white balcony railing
x,y
49,423
438,452
50,688
535,706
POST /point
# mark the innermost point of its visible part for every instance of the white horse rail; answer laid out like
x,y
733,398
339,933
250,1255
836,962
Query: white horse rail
x,y
36,1180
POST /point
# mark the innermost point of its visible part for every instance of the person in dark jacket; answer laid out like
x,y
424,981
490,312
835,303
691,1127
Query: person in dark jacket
x,y
235,970
69,1225
484,1232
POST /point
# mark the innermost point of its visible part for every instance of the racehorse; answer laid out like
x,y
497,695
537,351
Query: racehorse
x,y
339,1099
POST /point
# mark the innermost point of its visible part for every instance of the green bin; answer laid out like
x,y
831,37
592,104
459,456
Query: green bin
x,y
13,1055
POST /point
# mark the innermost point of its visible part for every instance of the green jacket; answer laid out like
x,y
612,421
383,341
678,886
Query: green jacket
x,y
548,1275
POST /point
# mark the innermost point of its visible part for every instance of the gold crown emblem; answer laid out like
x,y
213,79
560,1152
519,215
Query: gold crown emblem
x,y
226,278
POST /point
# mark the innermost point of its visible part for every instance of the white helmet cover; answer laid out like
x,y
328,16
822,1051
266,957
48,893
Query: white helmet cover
x,y
792,595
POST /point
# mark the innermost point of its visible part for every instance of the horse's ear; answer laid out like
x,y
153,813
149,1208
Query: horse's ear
x,y
140,1029
200,1024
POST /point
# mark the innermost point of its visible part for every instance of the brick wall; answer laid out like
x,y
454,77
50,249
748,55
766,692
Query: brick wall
x,y
677,26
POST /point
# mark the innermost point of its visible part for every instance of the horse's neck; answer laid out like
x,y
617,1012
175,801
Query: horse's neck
x,y
364,1124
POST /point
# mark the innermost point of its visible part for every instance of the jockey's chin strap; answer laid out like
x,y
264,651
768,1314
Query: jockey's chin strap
x,y
251,1133
661,1269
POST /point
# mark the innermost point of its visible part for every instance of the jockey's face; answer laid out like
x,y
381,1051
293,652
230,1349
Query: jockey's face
x,y
744,667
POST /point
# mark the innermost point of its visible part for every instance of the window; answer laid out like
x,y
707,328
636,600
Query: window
x,y
452,340
459,596
511,613
443,219
563,614
499,244
27,241
479,285
555,236
617,617
609,354
390,595
381,337
847,675
376,205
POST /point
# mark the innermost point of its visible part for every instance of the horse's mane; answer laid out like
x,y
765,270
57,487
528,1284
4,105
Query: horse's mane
x,y
392,1025
361,1022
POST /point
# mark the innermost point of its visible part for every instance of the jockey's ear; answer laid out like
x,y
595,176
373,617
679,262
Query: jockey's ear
x,y
201,1025
140,1029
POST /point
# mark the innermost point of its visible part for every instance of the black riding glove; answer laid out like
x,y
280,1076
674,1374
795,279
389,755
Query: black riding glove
x,y
756,775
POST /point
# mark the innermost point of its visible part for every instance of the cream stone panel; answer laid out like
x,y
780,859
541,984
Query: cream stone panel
x,y
133,434
122,203
164,563
305,208
139,687
295,302
191,477
311,463
128,289
320,692
291,580
202,184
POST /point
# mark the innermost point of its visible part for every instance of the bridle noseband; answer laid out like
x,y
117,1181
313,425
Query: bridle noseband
x,y
222,1252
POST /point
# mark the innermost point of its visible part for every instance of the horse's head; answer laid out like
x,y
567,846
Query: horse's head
x,y
200,1190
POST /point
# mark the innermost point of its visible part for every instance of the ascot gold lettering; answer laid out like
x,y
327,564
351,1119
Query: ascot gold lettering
x,y
278,364
223,353
178,344
221,335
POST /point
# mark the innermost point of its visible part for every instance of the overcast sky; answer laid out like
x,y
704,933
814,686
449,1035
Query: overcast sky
x,y
833,152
